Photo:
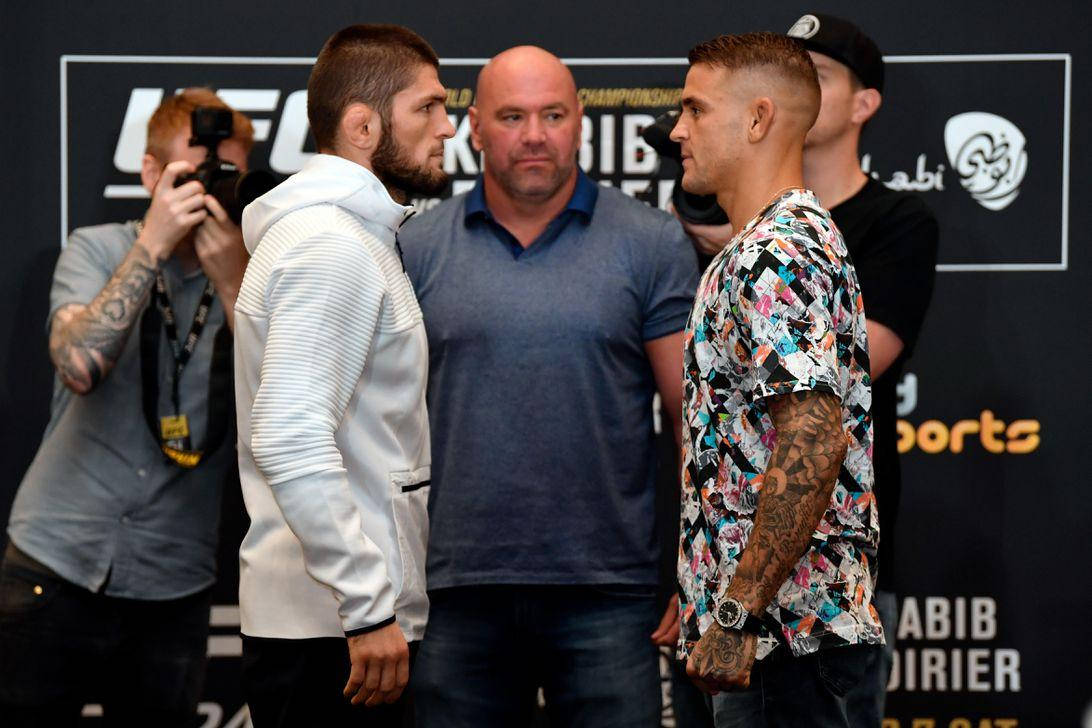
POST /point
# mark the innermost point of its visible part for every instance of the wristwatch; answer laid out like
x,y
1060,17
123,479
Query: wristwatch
x,y
730,614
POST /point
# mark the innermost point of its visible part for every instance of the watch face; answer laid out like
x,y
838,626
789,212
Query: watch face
x,y
730,613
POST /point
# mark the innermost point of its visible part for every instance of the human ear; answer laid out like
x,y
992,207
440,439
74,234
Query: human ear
x,y
475,128
762,112
866,102
150,170
360,128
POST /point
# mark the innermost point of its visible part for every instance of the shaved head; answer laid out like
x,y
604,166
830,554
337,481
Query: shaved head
x,y
523,68
526,120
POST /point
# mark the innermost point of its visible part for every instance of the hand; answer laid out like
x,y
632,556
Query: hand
x,y
707,239
380,666
722,660
667,634
174,211
219,246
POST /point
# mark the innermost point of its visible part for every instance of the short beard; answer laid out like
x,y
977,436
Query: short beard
x,y
395,169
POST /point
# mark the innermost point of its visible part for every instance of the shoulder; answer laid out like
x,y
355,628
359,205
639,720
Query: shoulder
x,y
110,237
440,216
881,204
615,207
319,239
104,246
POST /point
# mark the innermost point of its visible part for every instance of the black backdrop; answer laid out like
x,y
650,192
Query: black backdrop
x,y
993,549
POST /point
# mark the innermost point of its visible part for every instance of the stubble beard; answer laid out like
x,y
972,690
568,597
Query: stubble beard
x,y
532,187
396,169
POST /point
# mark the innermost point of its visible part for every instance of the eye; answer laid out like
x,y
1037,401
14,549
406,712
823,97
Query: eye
x,y
511,117
554,116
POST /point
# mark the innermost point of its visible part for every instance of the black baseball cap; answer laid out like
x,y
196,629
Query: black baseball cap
x,y
844,42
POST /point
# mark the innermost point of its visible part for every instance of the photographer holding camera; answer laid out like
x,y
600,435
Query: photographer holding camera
x,y
105,584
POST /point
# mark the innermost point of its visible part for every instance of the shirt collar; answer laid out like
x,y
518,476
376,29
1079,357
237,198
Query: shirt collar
x,y
792,197
582,201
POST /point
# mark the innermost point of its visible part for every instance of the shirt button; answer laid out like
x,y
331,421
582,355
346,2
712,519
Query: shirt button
x,y
125,518
142,472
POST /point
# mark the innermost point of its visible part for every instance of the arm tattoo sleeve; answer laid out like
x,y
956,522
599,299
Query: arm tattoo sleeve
x,y
86,341
797,486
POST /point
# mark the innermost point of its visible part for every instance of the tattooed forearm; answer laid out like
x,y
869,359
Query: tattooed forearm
x,y
86,341
797,486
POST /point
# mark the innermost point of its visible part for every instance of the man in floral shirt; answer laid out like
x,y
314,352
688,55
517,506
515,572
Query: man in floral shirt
x,y
779,525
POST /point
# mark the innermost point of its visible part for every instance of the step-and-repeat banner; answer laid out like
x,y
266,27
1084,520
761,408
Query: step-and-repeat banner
x,y
993,547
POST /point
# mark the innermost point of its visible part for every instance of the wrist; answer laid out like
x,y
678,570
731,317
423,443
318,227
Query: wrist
x,y
732,614
155,249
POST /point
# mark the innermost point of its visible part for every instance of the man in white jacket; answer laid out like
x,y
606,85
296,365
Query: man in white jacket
x,y
331,364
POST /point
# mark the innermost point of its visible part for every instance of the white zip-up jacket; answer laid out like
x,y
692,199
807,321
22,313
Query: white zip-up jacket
x,y
331,362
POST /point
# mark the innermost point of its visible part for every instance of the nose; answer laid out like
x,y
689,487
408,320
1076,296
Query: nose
x,y
679,131
448,129
533,131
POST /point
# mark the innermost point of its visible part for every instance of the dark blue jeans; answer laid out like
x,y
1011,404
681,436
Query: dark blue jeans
x,y
796,691
62,646
487,650
865,702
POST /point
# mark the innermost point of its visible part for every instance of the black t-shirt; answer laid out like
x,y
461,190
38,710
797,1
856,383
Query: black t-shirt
x,y
892,239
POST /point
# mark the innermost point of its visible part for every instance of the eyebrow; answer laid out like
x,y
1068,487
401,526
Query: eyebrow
x,y
548,107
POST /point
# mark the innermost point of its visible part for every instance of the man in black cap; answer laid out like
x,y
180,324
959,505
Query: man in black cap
x,y
892,238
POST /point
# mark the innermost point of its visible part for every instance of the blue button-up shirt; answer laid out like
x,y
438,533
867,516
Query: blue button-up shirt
x,y
100,505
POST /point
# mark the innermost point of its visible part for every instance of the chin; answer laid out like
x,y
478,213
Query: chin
x,y
695,187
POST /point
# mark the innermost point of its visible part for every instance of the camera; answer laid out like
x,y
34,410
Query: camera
x,y
700,209
233,189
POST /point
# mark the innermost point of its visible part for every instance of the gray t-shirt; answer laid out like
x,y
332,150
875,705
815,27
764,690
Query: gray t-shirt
x,y
540,389
100,504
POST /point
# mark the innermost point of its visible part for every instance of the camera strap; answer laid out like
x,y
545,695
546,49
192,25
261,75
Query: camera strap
x,y
172,431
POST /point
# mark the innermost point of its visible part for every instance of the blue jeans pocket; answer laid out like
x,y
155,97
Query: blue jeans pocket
x,y
840,668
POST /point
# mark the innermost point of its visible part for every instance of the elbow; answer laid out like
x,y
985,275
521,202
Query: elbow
x,y
282,452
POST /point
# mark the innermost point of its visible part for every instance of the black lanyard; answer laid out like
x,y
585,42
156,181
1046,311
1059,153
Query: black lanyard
x,y
182,352
161,317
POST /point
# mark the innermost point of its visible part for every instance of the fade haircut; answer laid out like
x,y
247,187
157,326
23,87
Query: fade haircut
x,y
173,116
367,64
763,51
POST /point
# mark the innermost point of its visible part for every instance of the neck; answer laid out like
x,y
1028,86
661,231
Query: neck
x,y
526,218
750,192
833,171
357,157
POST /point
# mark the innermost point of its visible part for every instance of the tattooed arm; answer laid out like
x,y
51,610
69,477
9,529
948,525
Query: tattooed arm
x,y
796,490
85,340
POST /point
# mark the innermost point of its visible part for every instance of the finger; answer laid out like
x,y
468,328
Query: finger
x,y
672,635
216,210
193,218
356,679
667,622
692,669
388,678
187,191
401,677
188,203
173,171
